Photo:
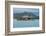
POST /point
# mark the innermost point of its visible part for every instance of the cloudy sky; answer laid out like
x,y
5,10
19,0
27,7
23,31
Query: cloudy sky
x,y
21,10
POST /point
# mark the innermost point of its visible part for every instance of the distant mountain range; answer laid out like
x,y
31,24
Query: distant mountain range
x,y
26,14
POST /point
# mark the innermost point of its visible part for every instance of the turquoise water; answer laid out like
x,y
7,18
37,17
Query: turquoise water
x,y
27,23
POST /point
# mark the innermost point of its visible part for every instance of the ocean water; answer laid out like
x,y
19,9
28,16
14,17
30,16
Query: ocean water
x,y
27,23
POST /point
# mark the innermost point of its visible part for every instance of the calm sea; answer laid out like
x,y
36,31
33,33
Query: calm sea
x,y
27,23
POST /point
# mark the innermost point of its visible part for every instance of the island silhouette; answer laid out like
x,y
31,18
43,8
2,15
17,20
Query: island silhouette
x,y
25,16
